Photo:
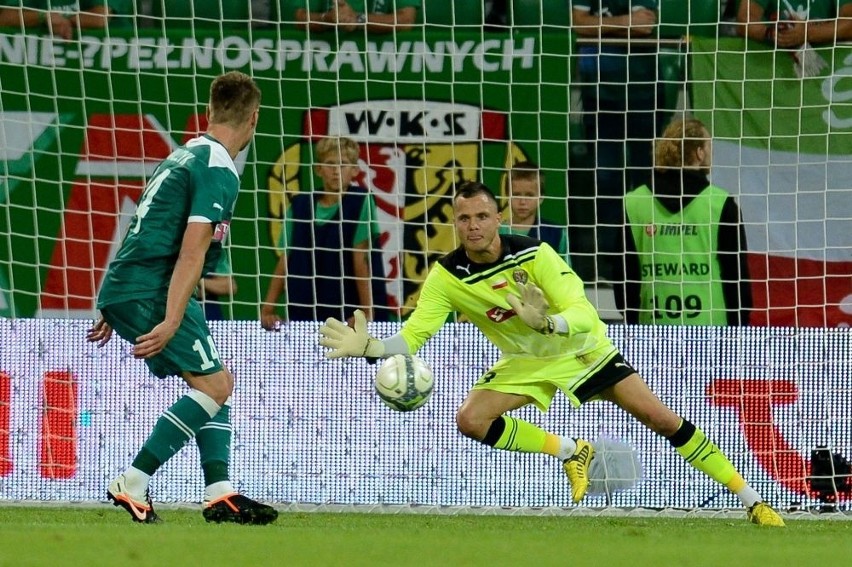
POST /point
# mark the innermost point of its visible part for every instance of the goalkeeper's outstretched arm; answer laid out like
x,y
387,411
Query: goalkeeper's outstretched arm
x,y
343,340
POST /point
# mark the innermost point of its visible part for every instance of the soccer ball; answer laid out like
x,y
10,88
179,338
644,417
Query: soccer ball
x,y
404,382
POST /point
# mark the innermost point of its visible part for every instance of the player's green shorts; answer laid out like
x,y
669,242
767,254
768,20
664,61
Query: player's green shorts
x,y
190,350
581,378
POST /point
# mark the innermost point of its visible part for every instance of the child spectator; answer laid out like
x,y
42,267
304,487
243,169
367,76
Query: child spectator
x,y
329,264
526,194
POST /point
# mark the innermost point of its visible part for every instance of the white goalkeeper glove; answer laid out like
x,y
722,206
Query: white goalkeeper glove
x,y
532,307
343,340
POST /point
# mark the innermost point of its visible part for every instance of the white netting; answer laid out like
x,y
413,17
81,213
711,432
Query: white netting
x,y
84,121
312,431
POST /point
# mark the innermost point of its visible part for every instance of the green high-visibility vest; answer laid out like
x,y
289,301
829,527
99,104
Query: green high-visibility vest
x,y
678,258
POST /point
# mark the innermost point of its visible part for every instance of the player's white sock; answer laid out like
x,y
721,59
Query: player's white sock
x,y
136,482
567,446
218,490
749,496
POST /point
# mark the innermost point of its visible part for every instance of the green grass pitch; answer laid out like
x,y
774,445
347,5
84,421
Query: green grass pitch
x,y
90,537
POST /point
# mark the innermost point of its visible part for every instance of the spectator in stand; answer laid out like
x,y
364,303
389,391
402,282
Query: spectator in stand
x,y
123,14
791,24
620,92
330,262
61,18
526,194
218,284
728,26
376,16
685,243
496,15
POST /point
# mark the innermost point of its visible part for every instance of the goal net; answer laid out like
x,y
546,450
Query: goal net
x,y
312,431
84,122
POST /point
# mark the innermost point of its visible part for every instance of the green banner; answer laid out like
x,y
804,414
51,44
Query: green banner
x,y
89,119
750,92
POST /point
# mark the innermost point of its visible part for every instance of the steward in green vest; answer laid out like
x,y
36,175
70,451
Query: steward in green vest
x,y
684,241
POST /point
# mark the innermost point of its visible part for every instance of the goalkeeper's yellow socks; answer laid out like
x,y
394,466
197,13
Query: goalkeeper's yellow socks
x,y
562,448
511,434
691,443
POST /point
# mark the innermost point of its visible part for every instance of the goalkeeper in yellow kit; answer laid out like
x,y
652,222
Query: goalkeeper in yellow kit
x,y
526,300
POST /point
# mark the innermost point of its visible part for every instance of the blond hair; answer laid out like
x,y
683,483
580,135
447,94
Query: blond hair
x,y
346,149
679,144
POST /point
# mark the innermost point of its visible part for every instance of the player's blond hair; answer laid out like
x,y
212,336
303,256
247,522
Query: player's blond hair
x,y
234,97
345,148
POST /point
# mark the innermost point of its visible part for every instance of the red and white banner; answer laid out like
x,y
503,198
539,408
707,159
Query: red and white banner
x,y
783,146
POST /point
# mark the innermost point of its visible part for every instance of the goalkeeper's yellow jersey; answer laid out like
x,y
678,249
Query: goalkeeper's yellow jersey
x,y
479,291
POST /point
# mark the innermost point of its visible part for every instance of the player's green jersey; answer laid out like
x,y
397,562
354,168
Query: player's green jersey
x,y
198,182
479,291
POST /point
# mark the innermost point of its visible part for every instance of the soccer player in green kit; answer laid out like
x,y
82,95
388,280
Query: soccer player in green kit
x,y
526,300
147,297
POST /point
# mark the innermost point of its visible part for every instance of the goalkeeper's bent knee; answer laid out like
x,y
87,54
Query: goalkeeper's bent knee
x,y
495,431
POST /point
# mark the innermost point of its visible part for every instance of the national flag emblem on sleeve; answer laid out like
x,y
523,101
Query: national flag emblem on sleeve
x,y
221,231
499,285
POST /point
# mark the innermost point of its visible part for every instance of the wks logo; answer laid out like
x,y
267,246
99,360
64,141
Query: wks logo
x,y
498,314
413,153
405,120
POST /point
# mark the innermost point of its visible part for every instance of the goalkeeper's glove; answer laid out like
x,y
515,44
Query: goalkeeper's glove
x,y
343,340
532,307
